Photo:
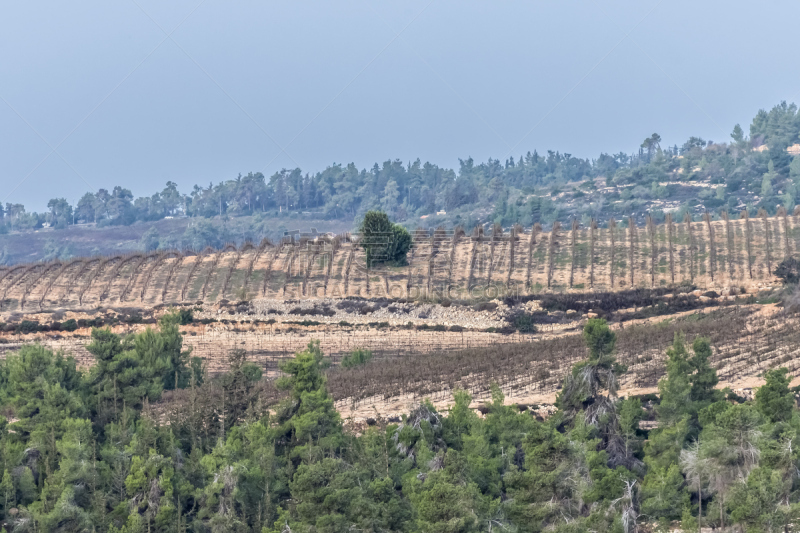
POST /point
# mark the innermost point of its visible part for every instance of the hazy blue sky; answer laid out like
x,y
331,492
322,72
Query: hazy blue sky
x,y
259,86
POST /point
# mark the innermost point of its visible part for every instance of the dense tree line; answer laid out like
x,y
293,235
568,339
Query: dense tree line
x,y
146,441
527,189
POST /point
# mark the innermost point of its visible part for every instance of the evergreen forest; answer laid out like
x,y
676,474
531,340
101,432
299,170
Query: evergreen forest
x,y
146,440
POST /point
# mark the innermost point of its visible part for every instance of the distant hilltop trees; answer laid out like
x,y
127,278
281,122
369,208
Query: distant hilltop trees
x,y
759,171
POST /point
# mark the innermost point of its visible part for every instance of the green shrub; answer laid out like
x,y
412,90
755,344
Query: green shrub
x,y
28,326
789,270
185,316
90,323
67,325
304,322
356,358
524,323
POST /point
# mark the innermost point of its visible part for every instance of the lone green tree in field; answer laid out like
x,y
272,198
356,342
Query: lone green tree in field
x,y
383,241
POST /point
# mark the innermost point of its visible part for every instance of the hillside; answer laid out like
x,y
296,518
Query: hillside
x,y
712,255
90,239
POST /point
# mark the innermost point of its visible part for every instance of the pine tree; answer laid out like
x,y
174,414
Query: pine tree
x,y
767,179
663,495
675,388
7,492
774,399
599,372
704,378
308,416
178,373
26,487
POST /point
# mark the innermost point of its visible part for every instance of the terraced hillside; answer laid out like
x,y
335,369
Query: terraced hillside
x,y
410,364
746,341
711,254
